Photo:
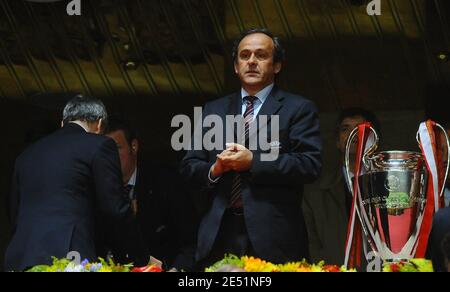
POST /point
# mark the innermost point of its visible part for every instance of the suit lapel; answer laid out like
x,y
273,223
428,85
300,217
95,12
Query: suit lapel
x,y
235,105
271,107
234,109
272,104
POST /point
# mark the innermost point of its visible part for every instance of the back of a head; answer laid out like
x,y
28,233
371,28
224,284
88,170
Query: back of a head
x,y
86,109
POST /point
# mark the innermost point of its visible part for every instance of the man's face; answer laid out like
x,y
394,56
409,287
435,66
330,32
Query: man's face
x,y
254,64
345,129
127,154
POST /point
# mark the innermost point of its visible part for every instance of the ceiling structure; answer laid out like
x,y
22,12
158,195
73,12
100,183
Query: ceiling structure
x,y
337,55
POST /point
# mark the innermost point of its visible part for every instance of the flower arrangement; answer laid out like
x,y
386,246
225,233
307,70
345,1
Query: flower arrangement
x,y
229,264
148,269
251,264
414,265
102,266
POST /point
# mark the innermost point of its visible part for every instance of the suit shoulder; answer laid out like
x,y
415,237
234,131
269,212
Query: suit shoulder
x,y
62,139
220,102
43,143
98,139
296,100
91,143
103,144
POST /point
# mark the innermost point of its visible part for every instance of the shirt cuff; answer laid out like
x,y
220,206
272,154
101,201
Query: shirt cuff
x,y
212,181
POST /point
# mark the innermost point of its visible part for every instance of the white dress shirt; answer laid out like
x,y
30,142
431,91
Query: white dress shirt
x,y
132,182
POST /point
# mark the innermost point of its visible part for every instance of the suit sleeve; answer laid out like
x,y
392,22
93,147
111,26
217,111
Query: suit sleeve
x,y
303,163
110,193
14,199
114,204
195,165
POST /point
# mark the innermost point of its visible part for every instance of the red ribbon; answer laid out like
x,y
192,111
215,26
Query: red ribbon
x,y
356,239
430,205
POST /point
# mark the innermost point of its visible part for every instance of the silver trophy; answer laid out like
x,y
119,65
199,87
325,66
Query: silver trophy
x,y
392,198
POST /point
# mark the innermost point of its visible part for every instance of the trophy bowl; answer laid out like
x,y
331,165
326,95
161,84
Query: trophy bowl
x,y
393,195
394,192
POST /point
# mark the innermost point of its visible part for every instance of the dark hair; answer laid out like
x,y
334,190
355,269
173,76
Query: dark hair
x,y
278,53
356,111
84,108
116,124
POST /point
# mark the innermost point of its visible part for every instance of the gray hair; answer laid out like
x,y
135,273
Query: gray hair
x,y
84,108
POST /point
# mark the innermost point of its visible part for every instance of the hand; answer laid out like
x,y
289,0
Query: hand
x,y
237,157
220,168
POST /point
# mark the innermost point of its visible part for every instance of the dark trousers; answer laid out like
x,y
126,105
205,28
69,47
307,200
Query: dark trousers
x,y
231,239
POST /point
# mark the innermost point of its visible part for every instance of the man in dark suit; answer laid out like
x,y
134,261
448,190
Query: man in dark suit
x,y
60,183
446,252
254,203
327,203
4,226
438,242
158,200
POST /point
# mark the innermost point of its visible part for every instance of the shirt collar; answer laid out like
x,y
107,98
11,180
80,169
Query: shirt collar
x,y
262,95
81,125
132,180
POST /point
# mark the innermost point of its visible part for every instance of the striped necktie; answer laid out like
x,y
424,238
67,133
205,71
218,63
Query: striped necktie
x,y
236,190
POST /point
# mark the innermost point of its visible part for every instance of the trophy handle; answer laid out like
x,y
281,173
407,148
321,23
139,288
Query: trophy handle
x,y
371,150
447,139
350,139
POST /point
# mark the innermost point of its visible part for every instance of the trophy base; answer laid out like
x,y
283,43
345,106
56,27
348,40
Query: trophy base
x,y
396,261
396,212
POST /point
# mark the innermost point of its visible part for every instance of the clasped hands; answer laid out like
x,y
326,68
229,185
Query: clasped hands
x,y
235,158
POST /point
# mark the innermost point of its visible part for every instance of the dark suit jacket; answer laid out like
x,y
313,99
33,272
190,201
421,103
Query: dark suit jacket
x,y
326,215
58,185
4,234
441,229
166,216
271,190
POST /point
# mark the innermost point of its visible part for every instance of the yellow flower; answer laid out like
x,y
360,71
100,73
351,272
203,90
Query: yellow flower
x,y
105,270
257,265
290,267
423,265
316,269
304,269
